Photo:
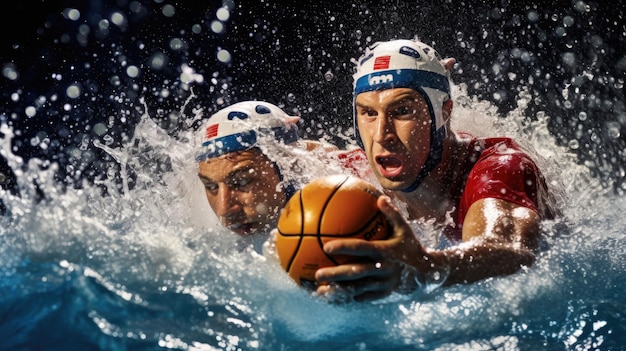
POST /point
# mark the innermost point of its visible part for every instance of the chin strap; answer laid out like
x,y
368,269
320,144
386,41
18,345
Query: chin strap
x,y
437,137
434,157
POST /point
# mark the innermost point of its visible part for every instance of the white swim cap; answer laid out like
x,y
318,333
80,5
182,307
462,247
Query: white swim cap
x,y
407,64
239,126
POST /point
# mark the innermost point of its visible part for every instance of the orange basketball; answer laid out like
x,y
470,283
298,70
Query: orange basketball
x,y
327,208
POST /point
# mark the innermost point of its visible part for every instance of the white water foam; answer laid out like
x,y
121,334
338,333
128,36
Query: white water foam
x,y
160,235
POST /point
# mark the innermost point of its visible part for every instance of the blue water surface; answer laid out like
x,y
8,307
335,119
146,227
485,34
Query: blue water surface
x,y
152,270
110,245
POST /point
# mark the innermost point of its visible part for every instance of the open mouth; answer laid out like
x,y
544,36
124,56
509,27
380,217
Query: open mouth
x,y
389,166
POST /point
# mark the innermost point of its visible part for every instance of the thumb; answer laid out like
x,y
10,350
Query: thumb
x,y
393,215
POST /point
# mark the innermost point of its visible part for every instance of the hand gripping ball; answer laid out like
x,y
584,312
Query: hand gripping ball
x,y
328,208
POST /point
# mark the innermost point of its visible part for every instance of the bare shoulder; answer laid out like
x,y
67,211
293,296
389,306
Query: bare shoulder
x,y
502,220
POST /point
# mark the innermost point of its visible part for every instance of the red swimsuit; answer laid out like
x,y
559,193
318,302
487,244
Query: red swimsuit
x,y
498,168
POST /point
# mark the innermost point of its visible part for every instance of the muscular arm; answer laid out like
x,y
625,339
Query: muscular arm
x,y
499,237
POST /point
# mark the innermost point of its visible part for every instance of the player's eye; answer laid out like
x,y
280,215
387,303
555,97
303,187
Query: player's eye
x,y
403,111
240,182
367,113
211,186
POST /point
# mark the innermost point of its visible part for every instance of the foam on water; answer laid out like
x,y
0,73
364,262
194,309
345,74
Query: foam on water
x,y
148,266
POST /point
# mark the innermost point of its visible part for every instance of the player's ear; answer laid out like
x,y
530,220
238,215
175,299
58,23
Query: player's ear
x,y
292,120
447,109
449,63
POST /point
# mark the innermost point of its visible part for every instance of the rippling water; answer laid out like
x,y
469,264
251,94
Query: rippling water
x,y
150,268
110,244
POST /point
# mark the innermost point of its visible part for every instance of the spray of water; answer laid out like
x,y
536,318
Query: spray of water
x,y
157,242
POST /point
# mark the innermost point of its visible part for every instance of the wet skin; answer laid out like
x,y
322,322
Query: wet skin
x,y
395,128
498,236
243,189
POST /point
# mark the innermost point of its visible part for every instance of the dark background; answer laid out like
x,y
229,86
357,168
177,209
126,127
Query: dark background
x,y
297,54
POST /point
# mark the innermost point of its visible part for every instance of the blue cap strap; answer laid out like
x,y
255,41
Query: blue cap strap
x,y
242,141
402,78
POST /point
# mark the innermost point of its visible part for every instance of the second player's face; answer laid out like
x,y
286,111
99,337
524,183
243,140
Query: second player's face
x,y
243,189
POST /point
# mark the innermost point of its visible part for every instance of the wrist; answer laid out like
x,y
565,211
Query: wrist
x,y
431,275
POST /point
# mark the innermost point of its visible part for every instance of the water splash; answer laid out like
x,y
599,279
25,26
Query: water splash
x,y
134,259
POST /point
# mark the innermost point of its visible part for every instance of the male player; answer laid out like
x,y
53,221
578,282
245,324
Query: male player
x,y
251,161
487,195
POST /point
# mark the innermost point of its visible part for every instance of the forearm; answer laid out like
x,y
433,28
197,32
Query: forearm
x,y
499,238
462,265
471,263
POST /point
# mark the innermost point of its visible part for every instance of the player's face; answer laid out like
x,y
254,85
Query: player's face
x,y
243,189
394,125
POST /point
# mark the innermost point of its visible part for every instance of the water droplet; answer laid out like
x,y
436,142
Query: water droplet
x,y
72,14
573,144
100,128
329,76
10,72
115,81
103,24
580,6
582,116
108,140
569,59
34,141
73,91
168,10
217,27
118,19
222,14
30,111
158,61
596,41
132,71
223,56
612,130
177,44
560,32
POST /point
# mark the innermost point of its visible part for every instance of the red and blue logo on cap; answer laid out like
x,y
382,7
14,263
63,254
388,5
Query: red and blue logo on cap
x,y
211,131
382,62
240,126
